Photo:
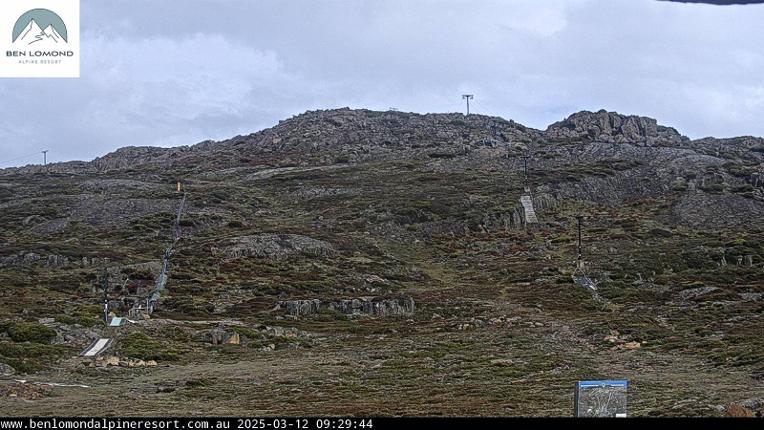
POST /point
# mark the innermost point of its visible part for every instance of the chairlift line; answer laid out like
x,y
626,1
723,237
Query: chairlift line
x,y
579,275
527,198
161,279
578,218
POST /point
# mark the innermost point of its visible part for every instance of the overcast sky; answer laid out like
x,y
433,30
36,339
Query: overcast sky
x,y
169,73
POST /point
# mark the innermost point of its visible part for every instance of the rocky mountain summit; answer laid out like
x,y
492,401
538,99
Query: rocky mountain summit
x,y
323,137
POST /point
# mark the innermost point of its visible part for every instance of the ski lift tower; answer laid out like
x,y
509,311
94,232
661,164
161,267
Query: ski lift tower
x,y
468,97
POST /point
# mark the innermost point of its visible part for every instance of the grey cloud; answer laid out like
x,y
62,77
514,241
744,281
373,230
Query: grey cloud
x,y
719,2
171,73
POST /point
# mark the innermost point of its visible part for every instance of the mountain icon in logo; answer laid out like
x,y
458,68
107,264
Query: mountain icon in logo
x,y
39,25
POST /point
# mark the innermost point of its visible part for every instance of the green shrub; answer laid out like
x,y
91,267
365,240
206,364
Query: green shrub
x,y
66,319
140,345
30,357
747,188
31,332
713,188
88,315
249,333
199,383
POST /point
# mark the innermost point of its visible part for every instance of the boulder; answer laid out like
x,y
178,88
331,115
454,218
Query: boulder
x,y
735,410
218,336
287,332
109,361
233,339
6,370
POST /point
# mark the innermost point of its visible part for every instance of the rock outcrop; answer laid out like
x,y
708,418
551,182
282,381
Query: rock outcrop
x,y
298,308
604,126
272,246
20,259
370,306
23,259
374,306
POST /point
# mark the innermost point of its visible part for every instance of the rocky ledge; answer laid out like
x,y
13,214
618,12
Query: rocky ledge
x,y
272,246
371,306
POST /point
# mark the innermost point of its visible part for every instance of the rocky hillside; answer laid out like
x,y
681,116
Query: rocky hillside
x,y
604,157
391,249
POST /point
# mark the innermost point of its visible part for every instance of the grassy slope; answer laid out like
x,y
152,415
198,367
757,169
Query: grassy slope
x,y
450,358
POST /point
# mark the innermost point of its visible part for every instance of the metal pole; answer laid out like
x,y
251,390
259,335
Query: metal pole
x,y
105,285
45,157
579,237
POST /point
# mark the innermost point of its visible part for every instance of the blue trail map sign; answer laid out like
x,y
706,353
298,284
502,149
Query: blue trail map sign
x,y
605,398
